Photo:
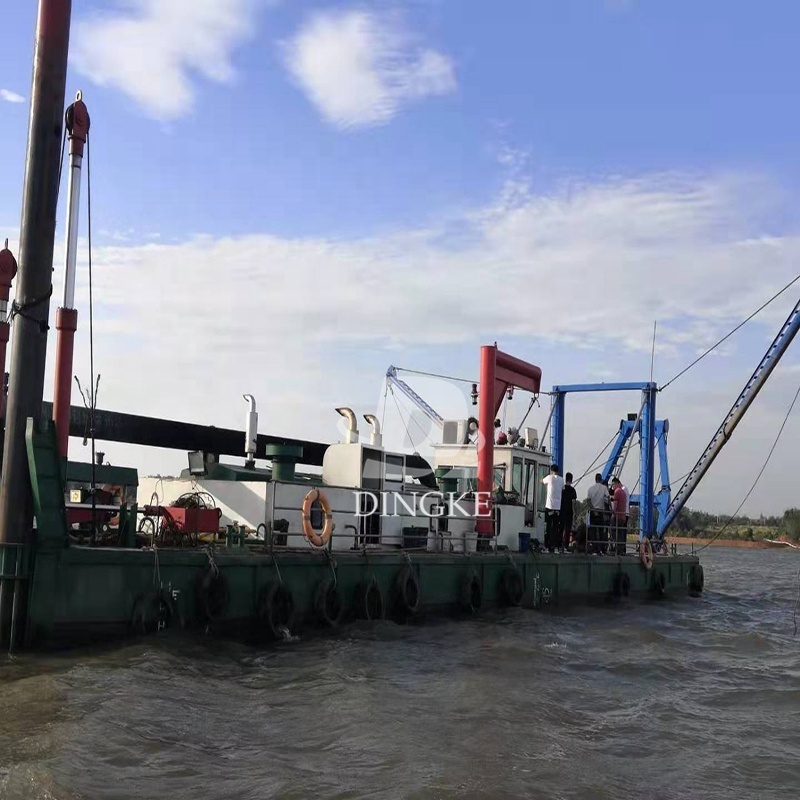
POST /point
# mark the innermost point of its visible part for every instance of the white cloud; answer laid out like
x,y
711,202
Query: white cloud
x,y
359,68
301,322
154,50
11,97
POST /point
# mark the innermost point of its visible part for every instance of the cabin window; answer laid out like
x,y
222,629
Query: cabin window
x,y
394,468
530,482
543,471
499,478
516,476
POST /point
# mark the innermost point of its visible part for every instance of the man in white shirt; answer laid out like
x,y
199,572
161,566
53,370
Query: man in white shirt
x,y
552,508
598,515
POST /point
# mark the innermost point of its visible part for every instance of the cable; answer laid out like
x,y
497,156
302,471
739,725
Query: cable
x,y
758,477
385,392
61,158
400,414
728,335
530,408
433,375
594,463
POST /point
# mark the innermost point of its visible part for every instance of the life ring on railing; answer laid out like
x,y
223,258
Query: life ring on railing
x,y
328,604
315,538
276,609
646,553
511,587
408,590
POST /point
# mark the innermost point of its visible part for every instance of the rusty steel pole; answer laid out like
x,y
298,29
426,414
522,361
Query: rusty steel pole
x,y
34,283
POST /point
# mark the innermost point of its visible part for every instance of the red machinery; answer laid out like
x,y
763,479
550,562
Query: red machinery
x,y
186,519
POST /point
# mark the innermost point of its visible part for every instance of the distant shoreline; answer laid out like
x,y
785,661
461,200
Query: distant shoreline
x,y
758,544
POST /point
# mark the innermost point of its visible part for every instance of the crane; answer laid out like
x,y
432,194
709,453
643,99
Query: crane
x,y
734,416
431,413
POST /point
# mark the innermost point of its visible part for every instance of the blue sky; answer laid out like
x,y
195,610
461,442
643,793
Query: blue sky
x,y
553,175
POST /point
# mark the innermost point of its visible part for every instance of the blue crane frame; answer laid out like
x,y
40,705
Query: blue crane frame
x,y
647,433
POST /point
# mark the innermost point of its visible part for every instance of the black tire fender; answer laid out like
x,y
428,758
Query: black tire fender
x,y
152,612
211,595
369,601
511,587
622,584
408,590
696,580
328,604
660,583
276,609
471,597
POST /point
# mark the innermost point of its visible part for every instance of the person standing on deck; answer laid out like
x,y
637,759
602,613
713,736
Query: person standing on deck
x,y
552,508
598,505
619,506
568,498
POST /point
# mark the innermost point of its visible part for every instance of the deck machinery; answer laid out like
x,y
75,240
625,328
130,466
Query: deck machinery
x,y
359,532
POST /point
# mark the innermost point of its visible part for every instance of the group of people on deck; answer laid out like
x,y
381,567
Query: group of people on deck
x,y
608,514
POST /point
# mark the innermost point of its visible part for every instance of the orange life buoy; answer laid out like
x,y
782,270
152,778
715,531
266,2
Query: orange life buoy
x,y
315,538
646,553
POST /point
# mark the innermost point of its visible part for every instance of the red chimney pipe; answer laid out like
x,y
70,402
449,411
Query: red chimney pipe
x,y
498,371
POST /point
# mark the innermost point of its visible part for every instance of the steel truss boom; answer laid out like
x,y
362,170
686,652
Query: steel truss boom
x,y
431,413
734,416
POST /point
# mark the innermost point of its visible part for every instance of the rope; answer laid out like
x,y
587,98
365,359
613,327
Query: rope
x,y
728,335
209,551
156,567
21,309
758,477
331,563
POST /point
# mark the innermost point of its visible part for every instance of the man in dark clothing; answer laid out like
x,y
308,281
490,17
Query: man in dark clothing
x,y
568,498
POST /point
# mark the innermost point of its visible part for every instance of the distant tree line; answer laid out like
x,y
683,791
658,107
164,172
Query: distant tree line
x,y
701,524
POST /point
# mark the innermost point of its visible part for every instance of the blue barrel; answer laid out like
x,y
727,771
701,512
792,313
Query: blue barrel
x,y
524,542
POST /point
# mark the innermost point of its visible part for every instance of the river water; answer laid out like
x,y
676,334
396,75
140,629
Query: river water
x,y
672,699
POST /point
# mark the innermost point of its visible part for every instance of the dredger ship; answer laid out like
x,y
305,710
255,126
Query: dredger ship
x,y
302,535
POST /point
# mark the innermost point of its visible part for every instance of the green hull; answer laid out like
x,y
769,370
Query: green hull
x,y
83,594
56,594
